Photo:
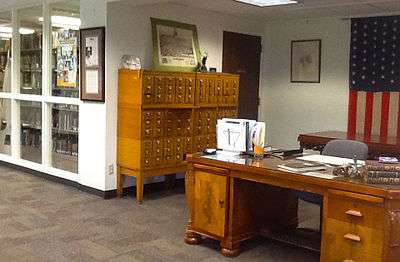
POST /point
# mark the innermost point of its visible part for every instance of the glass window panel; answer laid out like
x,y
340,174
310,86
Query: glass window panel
x,y
5,126
31,50
65,129
31,131
65,24
5,51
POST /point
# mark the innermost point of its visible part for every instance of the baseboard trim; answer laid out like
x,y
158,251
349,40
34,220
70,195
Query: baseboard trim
x,y
108,194
148,188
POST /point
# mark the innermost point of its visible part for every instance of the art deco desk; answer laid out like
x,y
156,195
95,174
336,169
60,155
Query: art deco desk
x,y
237,198
377,145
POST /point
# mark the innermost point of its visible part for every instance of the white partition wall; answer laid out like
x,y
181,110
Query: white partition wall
x,y
39,80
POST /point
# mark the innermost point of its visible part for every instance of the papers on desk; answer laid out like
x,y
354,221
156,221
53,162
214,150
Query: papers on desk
x,y
302,166
322,174
319,174
330,160
227,156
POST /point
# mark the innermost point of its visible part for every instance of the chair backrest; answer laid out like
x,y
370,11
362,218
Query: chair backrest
x,y
346,149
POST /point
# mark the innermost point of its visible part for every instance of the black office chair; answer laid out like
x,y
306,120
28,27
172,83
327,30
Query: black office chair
x,y
339,148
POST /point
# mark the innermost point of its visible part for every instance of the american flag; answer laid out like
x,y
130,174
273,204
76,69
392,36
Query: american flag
x,y
374,107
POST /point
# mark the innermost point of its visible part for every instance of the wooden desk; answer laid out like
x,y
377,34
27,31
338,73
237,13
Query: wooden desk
x,y
236,200
377,145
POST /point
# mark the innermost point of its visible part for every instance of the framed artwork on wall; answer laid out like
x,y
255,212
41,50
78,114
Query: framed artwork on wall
x,y
92,51
305,61
175,46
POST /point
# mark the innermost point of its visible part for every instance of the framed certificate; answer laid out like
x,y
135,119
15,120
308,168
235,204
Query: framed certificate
x,y
92,51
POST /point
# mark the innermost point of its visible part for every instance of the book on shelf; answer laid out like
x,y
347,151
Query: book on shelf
x,y
302,166
388,174
371,165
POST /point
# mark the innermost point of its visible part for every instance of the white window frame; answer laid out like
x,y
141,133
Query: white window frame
x,y
46,100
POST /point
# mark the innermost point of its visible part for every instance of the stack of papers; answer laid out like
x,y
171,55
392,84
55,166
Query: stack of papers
x,y
330,160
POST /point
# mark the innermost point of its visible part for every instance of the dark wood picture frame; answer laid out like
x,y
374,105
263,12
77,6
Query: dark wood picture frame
x,y
305,69
92,40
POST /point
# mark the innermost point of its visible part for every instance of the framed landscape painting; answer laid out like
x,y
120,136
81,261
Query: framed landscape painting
x,y
306,61
175,46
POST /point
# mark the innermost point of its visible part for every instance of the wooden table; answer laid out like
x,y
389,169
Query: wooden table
x,y
377,145
234,199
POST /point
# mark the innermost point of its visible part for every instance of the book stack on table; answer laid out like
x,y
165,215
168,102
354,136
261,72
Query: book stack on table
x,y
381,173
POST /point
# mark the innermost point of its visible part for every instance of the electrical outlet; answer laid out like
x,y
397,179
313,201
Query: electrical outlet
x,y
110,169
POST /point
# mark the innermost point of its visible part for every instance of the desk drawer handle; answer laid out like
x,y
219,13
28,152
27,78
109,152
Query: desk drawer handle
x,y
221,203
354,213
352,237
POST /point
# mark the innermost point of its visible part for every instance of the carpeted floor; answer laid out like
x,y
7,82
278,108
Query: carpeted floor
x,y
46,221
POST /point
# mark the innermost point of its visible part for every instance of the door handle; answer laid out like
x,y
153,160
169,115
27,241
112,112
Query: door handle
x,y
221,203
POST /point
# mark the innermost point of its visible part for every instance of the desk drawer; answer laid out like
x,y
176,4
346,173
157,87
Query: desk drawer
x,y
356,209
347,241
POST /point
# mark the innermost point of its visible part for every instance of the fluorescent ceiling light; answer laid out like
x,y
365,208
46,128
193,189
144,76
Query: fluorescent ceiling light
x,y
263,3
67,22
22,30
5,35
26,31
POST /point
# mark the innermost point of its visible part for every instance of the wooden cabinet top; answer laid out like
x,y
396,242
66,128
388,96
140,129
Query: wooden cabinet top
x,y
155,72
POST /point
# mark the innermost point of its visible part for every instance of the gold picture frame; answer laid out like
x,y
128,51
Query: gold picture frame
x,y
175,46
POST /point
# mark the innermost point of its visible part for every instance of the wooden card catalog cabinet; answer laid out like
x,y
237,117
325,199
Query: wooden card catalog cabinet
x,y
162,116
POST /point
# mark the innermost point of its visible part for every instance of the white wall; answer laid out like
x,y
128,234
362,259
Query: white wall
x,y
293,108
92,116
129,32
130,29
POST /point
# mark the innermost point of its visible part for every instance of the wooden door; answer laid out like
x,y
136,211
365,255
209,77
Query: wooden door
x,y
241,55
210,197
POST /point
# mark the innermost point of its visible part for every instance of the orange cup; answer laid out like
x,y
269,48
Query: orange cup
x,y
258,152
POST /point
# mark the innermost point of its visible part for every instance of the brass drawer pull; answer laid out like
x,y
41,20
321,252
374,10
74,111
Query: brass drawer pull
x,y
352,237
353,213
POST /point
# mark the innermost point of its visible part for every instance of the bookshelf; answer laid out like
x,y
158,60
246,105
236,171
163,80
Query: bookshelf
x,y
65,128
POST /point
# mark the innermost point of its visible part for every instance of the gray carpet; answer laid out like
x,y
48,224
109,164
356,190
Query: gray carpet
x,y
46,221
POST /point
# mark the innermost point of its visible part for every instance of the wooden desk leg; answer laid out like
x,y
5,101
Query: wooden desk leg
x,y
139,188
230,249
192,238
120,183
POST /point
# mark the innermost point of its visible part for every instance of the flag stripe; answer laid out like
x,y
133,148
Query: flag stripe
x,y
398,121
393,108
360,112
376,113
352,114
384,115
369,103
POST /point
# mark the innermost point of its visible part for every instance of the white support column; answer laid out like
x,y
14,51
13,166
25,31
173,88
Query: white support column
x,y
15,87
46,85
